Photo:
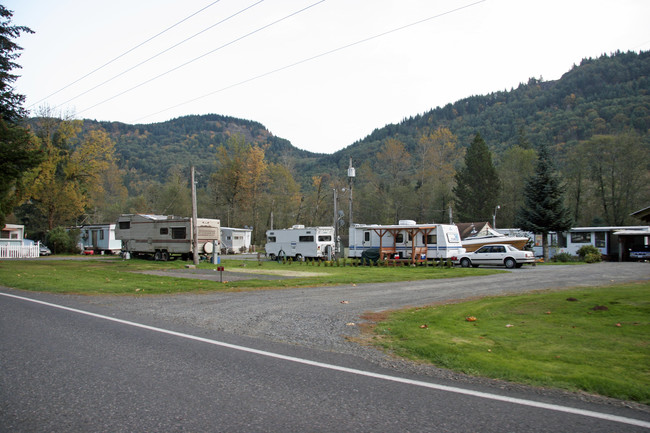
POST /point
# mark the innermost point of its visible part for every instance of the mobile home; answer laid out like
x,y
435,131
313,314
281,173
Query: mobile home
x,y
165,237
300,241
99,238
235,240
407,240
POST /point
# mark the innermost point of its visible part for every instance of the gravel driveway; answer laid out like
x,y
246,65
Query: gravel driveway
x,y
322,317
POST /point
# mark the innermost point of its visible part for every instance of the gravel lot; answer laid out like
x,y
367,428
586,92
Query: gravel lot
x,y
321,317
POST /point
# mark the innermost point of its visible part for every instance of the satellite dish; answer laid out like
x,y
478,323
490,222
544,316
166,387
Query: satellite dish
x,y
341,223
341,213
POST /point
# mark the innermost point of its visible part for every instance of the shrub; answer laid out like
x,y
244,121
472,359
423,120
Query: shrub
x,y
587,250
563,258
62,241
593,257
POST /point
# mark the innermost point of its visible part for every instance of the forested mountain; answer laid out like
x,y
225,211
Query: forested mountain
x,y
153,149
594,122
600,96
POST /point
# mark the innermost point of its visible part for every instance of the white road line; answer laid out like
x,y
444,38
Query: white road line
x,y
453,389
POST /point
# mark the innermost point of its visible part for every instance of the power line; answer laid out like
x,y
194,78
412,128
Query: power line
x,y
160,53
125,53
308,59
202,55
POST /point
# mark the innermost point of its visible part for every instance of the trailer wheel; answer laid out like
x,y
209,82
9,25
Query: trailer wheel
x,y
272,256
157,256
298,257
164,256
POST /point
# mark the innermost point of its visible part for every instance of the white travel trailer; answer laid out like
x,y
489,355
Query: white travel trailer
x,y
407,240
99,238
300,241
235,240
165,237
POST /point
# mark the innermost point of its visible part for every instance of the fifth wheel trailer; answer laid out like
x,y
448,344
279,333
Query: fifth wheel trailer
x,y
165,237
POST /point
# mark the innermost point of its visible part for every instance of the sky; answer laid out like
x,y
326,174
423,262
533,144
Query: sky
x,y
319,73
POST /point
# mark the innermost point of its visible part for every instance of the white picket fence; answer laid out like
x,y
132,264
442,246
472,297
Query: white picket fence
x,y
19,251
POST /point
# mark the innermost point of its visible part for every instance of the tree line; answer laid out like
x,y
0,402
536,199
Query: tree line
x,y
475,160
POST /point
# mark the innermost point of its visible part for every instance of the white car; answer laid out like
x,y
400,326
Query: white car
x,y
495,255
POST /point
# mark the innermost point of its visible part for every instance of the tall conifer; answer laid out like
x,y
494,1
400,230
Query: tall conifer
x,y
544,209
477,184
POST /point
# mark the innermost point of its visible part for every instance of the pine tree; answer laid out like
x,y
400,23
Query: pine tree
x,y
477,184
544,209
17,152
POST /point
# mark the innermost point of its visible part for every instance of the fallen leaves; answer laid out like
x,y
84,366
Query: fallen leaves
x,y
470,319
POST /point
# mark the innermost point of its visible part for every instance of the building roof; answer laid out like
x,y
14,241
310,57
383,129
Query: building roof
x,y
642,214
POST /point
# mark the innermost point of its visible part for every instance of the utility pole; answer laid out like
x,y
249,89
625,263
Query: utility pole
x,y
195,234
351,179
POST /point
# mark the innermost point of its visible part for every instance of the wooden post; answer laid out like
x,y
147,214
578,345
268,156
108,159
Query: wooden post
x,y
195,230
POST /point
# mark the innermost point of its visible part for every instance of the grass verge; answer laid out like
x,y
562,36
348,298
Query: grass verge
x,y
595,340
115,276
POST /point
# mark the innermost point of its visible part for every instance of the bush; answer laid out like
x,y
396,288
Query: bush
x,y
589,250
593,258
563,258
59,240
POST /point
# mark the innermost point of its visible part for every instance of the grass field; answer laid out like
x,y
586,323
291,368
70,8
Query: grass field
x,y
116,276
595,340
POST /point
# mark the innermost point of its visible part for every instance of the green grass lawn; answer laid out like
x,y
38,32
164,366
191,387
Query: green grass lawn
x,y
595,340
116,276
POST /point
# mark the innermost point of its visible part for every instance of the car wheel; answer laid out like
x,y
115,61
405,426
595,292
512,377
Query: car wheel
x,y
465,263
510,263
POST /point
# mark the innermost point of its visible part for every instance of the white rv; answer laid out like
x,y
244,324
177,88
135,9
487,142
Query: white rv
x,y
235,240
99,238
407,240
165,237
300,241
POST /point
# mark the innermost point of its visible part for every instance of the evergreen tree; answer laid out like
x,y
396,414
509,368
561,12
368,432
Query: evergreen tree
x,y
543,209
477,184
17,151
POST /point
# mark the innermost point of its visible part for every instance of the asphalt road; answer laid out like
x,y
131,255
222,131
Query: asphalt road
x,y
63,370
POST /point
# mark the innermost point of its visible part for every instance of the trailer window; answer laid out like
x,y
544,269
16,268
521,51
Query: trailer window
x,y
324,238
164,231
453,237
125,225
399,238
580,238
101,235
270,239
432,239
366,236
306,239
178,233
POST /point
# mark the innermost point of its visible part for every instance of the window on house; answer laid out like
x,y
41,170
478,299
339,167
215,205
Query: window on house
x,y
600,240
125,225
580,238
101,235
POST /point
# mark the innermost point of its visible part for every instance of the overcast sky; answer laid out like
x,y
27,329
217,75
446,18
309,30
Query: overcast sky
x,y
321,74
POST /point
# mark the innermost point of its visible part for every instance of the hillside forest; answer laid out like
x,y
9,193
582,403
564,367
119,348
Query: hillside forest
x,y
594,122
